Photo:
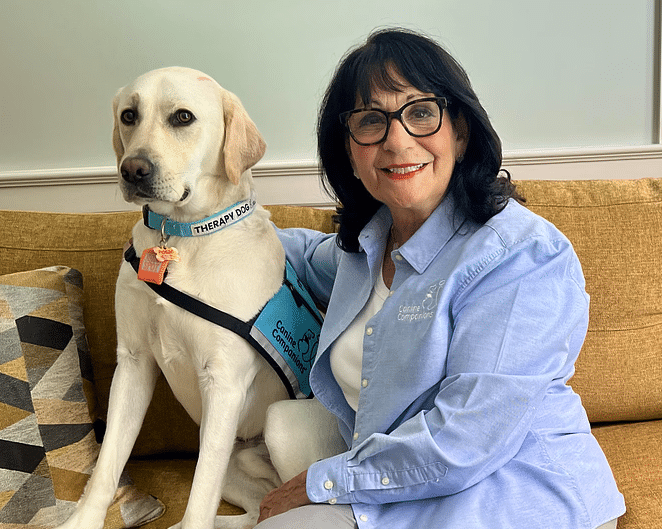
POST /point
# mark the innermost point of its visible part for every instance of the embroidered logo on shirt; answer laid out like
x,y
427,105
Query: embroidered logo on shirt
x,y
425,310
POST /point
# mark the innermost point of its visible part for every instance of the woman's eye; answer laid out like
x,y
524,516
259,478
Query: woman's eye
x,y
421,112
371,119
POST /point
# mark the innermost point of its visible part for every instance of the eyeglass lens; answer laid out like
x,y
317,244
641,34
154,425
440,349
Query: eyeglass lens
x,y
419,118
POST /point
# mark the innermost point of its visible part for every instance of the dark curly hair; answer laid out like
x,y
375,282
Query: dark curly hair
x,y
477,185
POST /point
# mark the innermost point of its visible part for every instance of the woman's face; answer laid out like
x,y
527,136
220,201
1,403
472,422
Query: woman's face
x,y
408,174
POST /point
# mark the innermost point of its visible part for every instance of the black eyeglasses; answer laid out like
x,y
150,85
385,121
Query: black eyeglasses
x,y
419,118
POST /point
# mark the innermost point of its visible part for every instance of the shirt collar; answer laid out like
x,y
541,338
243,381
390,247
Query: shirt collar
x,y
421,249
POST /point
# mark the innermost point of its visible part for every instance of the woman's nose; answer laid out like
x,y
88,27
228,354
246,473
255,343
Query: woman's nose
x,y
397,138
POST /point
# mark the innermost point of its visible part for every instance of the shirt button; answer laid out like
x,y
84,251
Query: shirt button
x,y
364,383
356,436
390,293
363,518
328,484
385,481
399,257
368,331
333,501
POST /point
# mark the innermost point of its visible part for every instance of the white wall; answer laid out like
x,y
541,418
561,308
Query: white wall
x,y
553,74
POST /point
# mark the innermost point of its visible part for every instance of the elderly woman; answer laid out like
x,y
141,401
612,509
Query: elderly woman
x,y
454,319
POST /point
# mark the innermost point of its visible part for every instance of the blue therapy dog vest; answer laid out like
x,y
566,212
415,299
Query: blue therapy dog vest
x,y
288,329
285,332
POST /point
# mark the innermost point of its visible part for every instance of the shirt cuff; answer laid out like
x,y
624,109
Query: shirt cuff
x,y
326,481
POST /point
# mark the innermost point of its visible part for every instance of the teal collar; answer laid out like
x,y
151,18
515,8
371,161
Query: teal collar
x,y
206,226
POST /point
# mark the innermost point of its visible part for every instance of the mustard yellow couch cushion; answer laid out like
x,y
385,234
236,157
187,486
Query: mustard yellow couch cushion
x,y
616,229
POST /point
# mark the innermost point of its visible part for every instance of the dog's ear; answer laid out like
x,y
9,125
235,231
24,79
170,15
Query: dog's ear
x,y
243,145
117,141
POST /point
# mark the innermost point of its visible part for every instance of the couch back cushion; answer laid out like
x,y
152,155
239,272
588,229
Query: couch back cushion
x,y
89,243
616,230
92,244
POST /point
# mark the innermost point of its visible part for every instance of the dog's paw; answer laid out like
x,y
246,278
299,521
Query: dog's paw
x,y
81,521
243,521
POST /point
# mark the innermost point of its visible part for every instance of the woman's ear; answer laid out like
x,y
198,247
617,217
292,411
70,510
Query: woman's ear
x,y
348,149
462,132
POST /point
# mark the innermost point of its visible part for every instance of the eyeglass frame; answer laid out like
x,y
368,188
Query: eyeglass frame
x,y
442,103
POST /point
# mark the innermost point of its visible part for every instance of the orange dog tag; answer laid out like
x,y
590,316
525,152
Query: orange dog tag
x,y
154,262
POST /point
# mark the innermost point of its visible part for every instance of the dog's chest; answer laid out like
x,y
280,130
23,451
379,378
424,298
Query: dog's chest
x,y
172,333
225,280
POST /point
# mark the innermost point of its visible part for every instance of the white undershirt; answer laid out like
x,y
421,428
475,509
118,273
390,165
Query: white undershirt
x,y
347,351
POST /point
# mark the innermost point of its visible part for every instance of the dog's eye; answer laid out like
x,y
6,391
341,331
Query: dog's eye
x,y
182,118
129,117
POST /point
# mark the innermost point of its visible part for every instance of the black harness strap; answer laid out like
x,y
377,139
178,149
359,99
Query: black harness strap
x,y
211,314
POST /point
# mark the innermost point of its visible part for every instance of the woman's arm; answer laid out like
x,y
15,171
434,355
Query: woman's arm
x,y
314,256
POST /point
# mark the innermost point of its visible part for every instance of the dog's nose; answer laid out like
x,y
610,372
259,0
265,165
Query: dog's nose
x,y
136,169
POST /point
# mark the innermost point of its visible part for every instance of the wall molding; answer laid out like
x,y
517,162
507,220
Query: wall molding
x,y
308,168
593,155
108,174
58,177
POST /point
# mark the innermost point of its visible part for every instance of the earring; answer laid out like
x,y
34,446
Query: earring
x,y
460,158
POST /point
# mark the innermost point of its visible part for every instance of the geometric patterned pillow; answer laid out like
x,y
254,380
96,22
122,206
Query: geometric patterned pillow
x,y
47,443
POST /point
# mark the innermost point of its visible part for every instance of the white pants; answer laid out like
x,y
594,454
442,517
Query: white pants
x,y
316,516
323,516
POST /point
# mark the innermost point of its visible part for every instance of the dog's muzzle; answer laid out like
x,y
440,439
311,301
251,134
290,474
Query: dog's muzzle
x,y
141,180
137,169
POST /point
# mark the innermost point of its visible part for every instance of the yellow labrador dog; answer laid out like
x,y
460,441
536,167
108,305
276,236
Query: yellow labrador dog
x,y
184,148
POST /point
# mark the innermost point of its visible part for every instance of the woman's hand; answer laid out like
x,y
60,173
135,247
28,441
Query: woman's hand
x,y
289,495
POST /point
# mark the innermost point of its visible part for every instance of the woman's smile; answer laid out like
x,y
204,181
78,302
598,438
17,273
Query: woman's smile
x,y
403,171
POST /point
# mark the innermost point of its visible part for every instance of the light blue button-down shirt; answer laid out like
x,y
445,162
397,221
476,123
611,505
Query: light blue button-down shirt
x,y
465,418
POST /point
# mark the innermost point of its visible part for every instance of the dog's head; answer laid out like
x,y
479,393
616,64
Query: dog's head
x,y
182,141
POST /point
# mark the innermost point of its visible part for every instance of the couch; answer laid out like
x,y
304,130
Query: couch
x,y
615,227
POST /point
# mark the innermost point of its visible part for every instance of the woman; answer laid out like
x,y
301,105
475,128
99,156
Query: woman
x,y
454,318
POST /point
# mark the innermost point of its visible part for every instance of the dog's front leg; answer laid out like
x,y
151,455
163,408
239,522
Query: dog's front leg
x,y
130,394
222,403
